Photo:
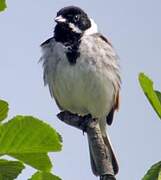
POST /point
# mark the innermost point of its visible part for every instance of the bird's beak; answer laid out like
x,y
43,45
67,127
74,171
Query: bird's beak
x,y
60,19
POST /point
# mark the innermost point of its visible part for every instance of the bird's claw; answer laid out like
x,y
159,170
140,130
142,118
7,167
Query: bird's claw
x,y
84,123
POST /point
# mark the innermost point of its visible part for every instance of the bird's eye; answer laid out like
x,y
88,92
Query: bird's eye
x,y
76,18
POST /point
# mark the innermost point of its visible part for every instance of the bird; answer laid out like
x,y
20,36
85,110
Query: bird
x,y
82,71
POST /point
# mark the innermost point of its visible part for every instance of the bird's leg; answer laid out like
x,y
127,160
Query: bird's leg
x,y
84,122
81,122
75,120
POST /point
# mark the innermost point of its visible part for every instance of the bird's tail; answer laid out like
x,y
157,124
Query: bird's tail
x,y
112,157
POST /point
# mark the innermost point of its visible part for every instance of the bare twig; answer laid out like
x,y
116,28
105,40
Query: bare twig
x,y
100,152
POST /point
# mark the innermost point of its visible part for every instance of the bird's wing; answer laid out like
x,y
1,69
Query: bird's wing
x,y
109,117
50,60
117,79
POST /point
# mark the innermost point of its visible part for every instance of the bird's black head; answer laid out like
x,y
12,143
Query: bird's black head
x,y
75,18
72,22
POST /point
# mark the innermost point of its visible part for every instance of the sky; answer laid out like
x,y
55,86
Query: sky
x,y
135,31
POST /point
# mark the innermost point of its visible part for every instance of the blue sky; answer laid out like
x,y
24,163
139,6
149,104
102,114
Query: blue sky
x,y
135,30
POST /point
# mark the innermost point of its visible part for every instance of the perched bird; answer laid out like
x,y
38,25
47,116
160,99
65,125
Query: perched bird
x,y
82,71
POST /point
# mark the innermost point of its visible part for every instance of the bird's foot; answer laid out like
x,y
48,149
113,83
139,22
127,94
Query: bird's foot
x,y
81,122
84,122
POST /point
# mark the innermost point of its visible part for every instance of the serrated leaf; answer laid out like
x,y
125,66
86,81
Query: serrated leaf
x,y
9,170
3,110
26,134
153,172
39,161
44,176
2,5
147,86
29,140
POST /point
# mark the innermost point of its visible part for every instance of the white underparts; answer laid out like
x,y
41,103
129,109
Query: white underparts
x,y
93,29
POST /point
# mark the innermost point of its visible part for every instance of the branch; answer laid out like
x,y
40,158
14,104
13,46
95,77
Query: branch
x,y
100,152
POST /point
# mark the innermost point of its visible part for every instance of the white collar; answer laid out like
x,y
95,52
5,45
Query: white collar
x,y
93,29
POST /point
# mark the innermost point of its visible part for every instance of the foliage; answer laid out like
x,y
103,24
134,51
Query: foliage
x,y
154,97
3,110
10,169
44,175
2,5
154,172
29,140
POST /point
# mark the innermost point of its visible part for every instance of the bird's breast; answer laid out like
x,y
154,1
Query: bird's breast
x,y
84,87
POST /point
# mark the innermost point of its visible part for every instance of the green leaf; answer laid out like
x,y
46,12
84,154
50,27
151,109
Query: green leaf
x,y
9,170
153,97
3,110
39,161
29,140
159,177
153,173
159,95
26,134
44,176
2,5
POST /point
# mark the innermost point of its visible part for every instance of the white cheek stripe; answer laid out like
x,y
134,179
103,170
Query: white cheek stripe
x,y
93,29
74,28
